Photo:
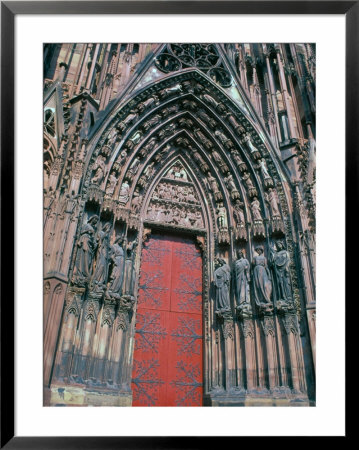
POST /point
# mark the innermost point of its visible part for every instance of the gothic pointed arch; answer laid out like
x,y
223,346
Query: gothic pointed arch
x,y
180,155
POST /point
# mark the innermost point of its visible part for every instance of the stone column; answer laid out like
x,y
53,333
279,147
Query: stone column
x,y
64,357
119,357
92,68
285,93
228,335
104,336
51,329
273,96
268,327
85,336
251,366
290,322
83,68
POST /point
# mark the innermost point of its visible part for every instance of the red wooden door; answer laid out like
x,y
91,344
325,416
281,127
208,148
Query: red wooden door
x,y
167,363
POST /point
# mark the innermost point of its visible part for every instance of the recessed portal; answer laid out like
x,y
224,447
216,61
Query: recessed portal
x,y
167,365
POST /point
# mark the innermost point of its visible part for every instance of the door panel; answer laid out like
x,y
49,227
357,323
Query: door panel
x,y
167,368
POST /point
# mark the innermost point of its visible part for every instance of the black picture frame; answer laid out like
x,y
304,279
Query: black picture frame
x,y
9,9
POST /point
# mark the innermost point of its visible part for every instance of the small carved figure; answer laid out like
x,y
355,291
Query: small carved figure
x,y
118,260
136,202
221,136
101,270
199,160
85,249
251,189
134,166
122,158
222,216
255,152
202,138
147,103
280,261
213,183
222,278
135,139
111,184
230,183
242,276
272,199
216,157
169,91
130,276
262,282
127,121
148,147
264,170
199,220
238,212
153,121
124,193
210,100
256,209
206,118
100,168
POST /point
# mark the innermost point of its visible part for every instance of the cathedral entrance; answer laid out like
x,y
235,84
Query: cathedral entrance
x,y
167,363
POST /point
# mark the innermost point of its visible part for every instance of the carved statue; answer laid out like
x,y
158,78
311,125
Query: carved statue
x,y
118,259
222,278
148,147
134,166
264,170
147,103
262,282
135,139
255,152
222,216
216,157
202,138
280,261
153,121
169,91
111,185
130,267
230,183
272,199
124,193
86,249
213,183
206,118
238,212
101,269
232,120
136,202
221,136
241,271
122,158
256,209
210,100
200,161
100,168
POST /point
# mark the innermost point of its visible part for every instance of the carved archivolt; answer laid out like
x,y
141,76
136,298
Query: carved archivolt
x,y
180,155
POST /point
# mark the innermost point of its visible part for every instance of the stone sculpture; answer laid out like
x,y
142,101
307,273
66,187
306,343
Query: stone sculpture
x,y
262,282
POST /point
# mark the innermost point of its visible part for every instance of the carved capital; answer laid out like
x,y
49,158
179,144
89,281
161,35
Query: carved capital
x,y
248,328
228,329
244,311
268,326
290,322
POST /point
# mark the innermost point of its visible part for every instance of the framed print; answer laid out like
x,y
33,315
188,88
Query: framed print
x,y
173,238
